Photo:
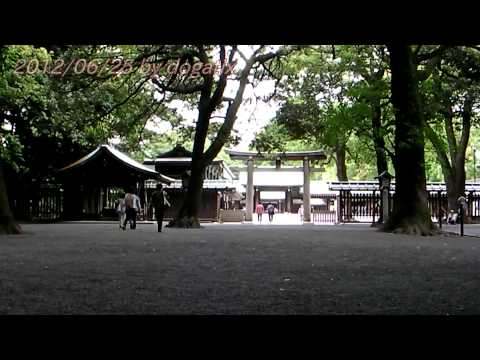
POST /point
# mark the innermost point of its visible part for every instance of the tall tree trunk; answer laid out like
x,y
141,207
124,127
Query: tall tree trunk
x,y
378,140
455,189
455,181
188,214
459,161
410,211
7,222
453,168
340,161
454,176
379,145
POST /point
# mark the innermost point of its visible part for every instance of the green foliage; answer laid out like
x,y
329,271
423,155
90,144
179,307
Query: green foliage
x,y
274,137
11,150
326,98
445,94
49,120
325,92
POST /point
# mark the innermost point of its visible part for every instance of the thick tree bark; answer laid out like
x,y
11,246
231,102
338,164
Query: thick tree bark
x,y
188,214
453,168
455,189
410,211
455,181
7,222
340,161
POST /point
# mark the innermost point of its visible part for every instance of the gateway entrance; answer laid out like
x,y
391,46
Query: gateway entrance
x,y
307,157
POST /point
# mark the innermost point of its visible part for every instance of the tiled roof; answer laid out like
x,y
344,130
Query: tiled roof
x,y
128,161
177,152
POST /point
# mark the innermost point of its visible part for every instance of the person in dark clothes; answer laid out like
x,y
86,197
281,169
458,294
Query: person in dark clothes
x,y
271,212
159,202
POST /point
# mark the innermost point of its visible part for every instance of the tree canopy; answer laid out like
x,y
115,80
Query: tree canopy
x,y
340,98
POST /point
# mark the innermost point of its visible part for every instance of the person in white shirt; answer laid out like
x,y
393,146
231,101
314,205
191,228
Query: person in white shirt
x,y
121,210
136,203
300,212
132,205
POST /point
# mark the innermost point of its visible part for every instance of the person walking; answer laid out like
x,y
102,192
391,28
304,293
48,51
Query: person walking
x,y
259,210
137,205
300,213
132,205
121,210
160,203
271,211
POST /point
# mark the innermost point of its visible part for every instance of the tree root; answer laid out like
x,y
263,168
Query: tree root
x,y
411,226
185,222
10,228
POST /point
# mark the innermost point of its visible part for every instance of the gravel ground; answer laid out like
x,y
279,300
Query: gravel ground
x,y
236,269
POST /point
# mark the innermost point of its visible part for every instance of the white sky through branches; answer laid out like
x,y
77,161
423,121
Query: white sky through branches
x,y
252,115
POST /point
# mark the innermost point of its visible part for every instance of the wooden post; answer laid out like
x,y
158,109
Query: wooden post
x,y
461,219
249,198
373,207
306,190
470,205
145,199
219,204
348,205
339,207
439,210
288,200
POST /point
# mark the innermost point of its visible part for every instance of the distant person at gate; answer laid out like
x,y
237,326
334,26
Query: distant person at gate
x,y
271,211
259,210
300,213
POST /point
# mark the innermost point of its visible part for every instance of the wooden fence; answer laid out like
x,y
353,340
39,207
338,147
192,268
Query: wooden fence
x,y
326,212
46,204
366,207
359,207
324,216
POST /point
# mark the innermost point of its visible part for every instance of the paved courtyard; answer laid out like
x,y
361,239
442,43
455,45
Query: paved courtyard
x,y
236,269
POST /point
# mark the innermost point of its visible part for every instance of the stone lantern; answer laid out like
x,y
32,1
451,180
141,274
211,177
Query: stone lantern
x,y
385,179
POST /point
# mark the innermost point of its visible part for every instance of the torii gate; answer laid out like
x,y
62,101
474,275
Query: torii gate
x,y
250,157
